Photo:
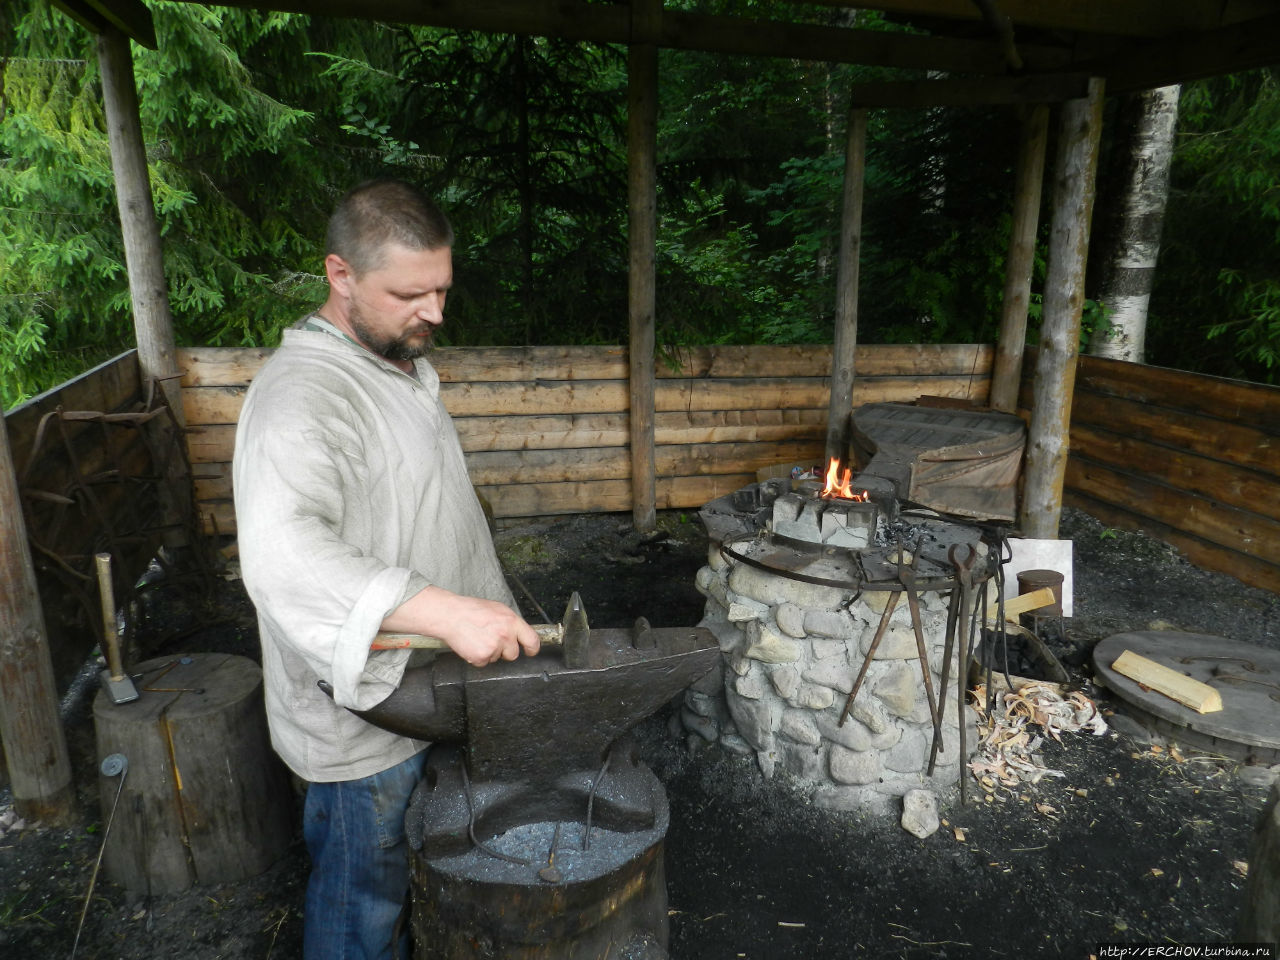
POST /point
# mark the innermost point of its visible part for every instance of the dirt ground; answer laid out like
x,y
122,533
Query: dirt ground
x,y
1136,842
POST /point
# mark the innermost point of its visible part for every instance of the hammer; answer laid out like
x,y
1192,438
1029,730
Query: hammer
x,y
117,683
570,634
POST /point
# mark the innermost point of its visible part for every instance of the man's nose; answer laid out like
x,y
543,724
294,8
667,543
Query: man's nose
x,y
431,310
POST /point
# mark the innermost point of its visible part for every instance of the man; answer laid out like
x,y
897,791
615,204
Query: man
x,y
354,514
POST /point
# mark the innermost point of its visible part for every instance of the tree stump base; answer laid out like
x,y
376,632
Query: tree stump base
x,y
204,799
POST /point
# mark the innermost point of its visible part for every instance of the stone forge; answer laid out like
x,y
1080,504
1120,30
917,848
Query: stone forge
x,y
795,628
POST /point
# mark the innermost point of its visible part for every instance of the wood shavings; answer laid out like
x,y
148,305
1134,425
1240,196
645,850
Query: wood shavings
x,y
1007,754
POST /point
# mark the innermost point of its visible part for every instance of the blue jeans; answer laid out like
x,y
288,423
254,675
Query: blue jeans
x,y
359,880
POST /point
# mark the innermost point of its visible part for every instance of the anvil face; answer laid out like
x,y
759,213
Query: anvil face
x,y
534,719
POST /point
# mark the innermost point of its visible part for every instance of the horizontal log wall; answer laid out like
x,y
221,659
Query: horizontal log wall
x,y
545,429
79,479
1190,459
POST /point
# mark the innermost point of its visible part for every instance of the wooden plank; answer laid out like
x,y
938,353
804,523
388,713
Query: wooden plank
x,y
1234,486
1237,401
236,367
524,398
204,405
970,91
212,443
1197,515
729,426
1211,556
1138,18
566,431
1239,444
220,366
1187,691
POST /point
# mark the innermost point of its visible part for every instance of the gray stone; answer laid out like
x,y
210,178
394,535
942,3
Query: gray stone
x,y
833,672
813,696
744,611
705,727
785,679
920,813
768,760
790,620
700,703
728,635
710,683
848,799
829,623
826,649
801,760
771,590
852,736
800,726
1255,776
715,559
900,689
870,712
898,642
739,665
848,766
702,580
735,744
910,754
756,720
771,647
754,685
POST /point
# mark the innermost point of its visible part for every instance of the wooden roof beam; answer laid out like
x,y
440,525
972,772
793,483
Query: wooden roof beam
x,y
576,20
1131,18
130,17
971,91
1144,66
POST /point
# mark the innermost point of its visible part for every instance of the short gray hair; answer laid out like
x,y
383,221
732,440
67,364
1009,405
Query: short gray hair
x,y
378,212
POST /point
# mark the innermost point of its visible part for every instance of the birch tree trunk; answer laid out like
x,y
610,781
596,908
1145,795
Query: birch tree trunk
x,y
1128,265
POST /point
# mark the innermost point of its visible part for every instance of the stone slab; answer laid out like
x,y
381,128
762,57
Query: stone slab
x,y
1247,676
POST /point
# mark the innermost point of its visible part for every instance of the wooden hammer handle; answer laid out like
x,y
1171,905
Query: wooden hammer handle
x,y
110,639
552,633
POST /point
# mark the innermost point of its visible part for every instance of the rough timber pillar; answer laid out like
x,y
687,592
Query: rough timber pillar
x,y
35,745
846,332
152,319
1075,172
642,205
1029,177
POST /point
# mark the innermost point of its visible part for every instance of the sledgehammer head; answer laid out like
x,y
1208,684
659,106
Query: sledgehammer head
x,y
120,689
577,634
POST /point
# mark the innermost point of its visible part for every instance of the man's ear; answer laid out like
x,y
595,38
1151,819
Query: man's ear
x,y
339,273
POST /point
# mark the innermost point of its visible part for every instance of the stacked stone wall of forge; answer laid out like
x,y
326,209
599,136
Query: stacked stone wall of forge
x,y
790,652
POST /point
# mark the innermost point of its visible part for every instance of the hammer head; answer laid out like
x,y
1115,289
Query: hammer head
x,y
577,633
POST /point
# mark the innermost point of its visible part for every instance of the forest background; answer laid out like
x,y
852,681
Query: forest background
x,y
256,123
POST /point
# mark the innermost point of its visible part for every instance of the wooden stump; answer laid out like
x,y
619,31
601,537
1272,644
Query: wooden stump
x,y
204,799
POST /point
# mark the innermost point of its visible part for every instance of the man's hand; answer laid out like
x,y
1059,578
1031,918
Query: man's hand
x,y
479,631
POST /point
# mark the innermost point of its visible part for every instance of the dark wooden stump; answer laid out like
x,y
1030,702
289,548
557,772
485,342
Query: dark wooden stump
x,y
204,799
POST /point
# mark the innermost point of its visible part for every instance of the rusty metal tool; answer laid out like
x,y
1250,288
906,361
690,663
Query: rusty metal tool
x,y
570,634
953,615
907,577
890,604
964,574
551,873
116,764
118,684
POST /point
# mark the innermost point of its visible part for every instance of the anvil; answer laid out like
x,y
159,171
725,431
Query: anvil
x,y
536,719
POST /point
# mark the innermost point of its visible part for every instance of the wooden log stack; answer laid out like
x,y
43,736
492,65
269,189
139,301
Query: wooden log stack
x,y
546,429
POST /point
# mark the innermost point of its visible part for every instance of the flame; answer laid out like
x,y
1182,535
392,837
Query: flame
x,y
840,489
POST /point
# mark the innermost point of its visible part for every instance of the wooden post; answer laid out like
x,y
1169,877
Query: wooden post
x,y
152,320
846,333
1075,172
1029,176
642,204
35,745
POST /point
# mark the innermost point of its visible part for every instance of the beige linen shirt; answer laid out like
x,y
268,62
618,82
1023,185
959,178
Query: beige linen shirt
x,y
351,495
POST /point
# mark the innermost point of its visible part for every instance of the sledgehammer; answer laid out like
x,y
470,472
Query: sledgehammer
x,y
117,683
